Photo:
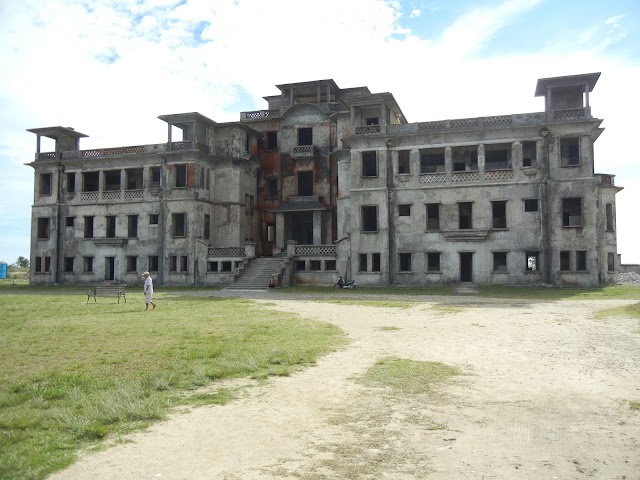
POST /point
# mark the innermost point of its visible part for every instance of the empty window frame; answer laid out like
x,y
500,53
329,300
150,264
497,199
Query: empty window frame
x,y
206,226
272,188
330,265
404,210
110,226
465,213
433,261
69,221
369,214
499,213
530,204
43,228
301,265
432,160
305,184
173,263
202,177
153,264
180,176
134,178
305,136
212,266
529,154
132,226
500,262
497,157
572,212
155,177
111,180
362,262
45,184
315,265
184,263
375,262
179,224
88,227
247,142
68,264
464,159
569,151
272,141
154,218
611,263
132,264
369,164
90,181
581,260
87,264
271,232
372,121
71,182
609,217
433,216
532,261
404,162
404,262
42,265
565,260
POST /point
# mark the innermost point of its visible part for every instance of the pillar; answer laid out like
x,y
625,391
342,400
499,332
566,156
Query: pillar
x,y
280,231
317,227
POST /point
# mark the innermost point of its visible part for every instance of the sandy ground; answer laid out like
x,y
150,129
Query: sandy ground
x,y
545,395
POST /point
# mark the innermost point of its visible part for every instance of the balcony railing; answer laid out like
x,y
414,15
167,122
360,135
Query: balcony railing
x,y
569,114
302,151
226,252
315,250
259,114
369,130
604,179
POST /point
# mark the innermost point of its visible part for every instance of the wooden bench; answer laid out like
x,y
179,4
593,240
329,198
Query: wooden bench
x,y
107,291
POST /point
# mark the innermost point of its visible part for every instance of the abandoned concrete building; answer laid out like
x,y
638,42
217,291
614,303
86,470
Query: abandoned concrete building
x,y
330,181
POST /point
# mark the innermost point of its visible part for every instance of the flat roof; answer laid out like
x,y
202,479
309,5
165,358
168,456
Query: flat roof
x,y
589,79
184,119
55,132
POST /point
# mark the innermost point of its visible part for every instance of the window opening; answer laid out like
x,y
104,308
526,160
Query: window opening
x,y
134,178
572,212
432,161
90,181
565,260
132,264
154,263
532,263
464,215
68,264
181,176
433,216
155,177
611,264
404,210
132,226
71,182
404,162
369,218
433,262
609,215
272,188
531,205
272,141
500,262
497,157
464,158
45,184
87,264
569,151
111,226
178,221
112,180
88,227
581,260
499,210
305,136
206,226
154,218
362,262
529,154
305,184
43,228
70,221
372,121
375,262
405,262
369,164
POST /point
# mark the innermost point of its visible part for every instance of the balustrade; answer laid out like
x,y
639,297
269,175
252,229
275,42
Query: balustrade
x,y
433,178
226,252
315,250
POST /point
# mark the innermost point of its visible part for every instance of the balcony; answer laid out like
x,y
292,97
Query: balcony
x,y
303,151
369,130
259,115
604,179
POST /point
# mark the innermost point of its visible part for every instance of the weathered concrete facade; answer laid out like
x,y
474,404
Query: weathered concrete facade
x,y
336,181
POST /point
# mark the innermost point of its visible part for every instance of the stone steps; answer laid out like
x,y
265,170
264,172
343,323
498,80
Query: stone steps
x,y
256,275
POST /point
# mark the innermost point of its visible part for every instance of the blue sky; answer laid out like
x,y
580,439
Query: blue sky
x,y
108,68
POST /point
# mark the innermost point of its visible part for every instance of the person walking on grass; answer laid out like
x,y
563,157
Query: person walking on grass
x,y
148,290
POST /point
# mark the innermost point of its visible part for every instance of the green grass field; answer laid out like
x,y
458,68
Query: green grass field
x,y
72,373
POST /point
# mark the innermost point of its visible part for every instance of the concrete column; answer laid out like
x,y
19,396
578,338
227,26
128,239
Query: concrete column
x,y
169,134
280,231
516,154
448,159
100,182
481,157
414,161
586,95
317,227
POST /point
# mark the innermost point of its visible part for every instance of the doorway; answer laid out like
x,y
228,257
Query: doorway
x,y
466,266
110,268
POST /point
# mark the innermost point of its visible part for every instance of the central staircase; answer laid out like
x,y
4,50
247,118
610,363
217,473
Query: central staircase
x,y
256,276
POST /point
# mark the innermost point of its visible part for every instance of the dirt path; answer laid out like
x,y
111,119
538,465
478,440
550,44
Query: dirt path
x,y
545,396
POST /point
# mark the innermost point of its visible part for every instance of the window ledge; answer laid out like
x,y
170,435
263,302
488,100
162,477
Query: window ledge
x,y
572,226
533,272
434,272
505,229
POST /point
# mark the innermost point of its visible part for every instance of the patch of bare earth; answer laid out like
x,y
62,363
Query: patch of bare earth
x,y
545,394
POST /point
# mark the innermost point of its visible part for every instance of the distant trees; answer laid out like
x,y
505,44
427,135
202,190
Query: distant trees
x,y
21,262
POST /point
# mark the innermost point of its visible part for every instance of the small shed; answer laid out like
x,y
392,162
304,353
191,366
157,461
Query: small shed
x,y
3,270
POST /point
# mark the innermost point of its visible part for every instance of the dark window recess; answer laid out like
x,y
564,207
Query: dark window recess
x,y
272,188
305,136
45,184
404,161
529,155
112,181
372,121
565,260
531,205
90,181
71,182
433,216
572,212
184,263
173,263
581,260
362,262
134,178
369,218
532,262
375,262
405,262
88,264
110,221
132,264
212,266
181,176
369,164
155,177
178,223
569,151
431,161
330,265
315,265
301,265
154,263
464,159
465,215
272,141
206,227
154,218
609,216
433,262
404,210
132,226
611,264
499,210
500,262
88,227
305,184
247,143
68,264
43,228
497,158
70,221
